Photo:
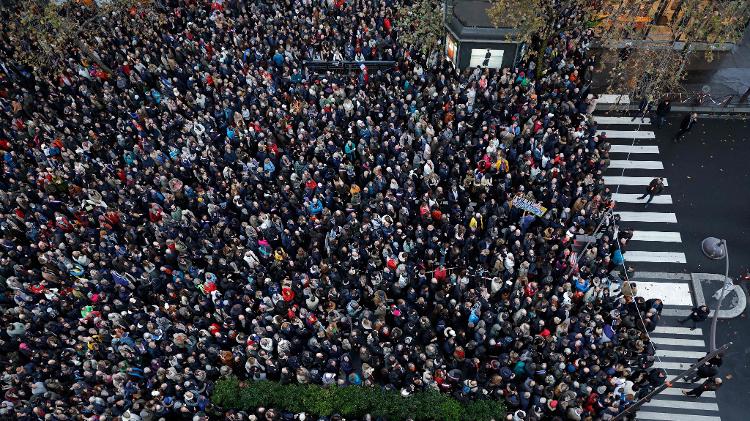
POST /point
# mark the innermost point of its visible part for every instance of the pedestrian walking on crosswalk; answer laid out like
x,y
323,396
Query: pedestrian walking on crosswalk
x,y
698,314
654,187
656,245
644,108
711,384
705,371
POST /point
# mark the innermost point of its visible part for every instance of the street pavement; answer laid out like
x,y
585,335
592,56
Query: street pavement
x,y
709,176
707,193
656,251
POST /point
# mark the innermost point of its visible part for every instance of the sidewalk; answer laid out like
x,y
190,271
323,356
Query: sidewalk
x,y
732,109
730,77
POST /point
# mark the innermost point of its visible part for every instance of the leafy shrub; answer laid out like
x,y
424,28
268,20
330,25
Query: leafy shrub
x,y
351,401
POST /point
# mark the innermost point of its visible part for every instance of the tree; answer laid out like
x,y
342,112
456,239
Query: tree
x,y
645,48
50,30
663,47
421,24
535,21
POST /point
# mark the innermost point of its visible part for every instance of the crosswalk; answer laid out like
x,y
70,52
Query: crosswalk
x,y
677,348
634,161
656,252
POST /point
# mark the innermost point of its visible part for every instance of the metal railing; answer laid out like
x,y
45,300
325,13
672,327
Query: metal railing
x,y
346,66
700,98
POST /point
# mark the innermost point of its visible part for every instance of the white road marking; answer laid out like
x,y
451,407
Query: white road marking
x,y
654,256
676,330
676,341
662,275
614,180
664,217
657,236
668,353
695,405
636,165
676,312
669,293
634,149
676,391
620,120
627,134
662,199
672,366
664,416
613,99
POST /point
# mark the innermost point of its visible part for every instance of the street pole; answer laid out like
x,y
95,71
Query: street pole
x,y
715,319
693,368
596,230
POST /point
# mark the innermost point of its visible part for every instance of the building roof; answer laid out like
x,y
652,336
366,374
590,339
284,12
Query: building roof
x,y
469,21
473,13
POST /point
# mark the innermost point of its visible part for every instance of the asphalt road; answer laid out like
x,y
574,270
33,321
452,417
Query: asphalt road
x,y
709,180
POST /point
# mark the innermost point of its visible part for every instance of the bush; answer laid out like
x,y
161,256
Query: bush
x,y
351,401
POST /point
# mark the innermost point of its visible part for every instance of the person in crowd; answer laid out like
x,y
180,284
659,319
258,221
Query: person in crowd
x,y
183,200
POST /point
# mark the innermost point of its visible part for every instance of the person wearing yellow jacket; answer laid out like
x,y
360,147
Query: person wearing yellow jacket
x,y
476,222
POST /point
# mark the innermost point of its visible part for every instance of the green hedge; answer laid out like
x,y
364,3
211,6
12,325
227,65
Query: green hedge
x,y
351,401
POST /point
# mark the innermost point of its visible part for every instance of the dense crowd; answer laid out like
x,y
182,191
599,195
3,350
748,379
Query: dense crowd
x,y
210,207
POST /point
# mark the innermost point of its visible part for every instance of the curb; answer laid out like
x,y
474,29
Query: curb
x,y
735,110
700,299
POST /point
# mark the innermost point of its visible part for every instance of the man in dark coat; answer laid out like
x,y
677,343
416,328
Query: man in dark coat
x,y
698,314
711,384
662,110
685,126
654,187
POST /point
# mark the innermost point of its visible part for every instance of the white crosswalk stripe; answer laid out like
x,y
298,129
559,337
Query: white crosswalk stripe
x,y
663,275
678,341
662,199
679,293
674,330
666,416
635,165
627,134
668,365
614,180
679,311
613,99
702,406
634,149
658,236
656,252
676,391
621,120
665,217
655,256
668,353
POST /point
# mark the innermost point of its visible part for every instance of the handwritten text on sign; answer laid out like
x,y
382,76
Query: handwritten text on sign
x,y
529,206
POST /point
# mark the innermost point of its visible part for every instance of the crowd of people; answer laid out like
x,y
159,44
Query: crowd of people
x,y
185,201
